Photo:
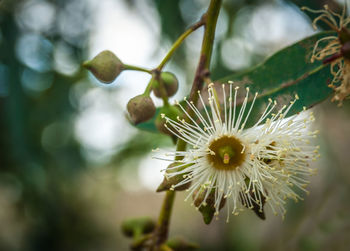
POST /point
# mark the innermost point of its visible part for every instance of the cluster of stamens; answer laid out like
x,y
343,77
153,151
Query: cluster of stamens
x,y
247,168
334,50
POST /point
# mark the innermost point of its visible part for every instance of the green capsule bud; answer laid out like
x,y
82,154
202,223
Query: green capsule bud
x,y
105,66
171,112
171,84
137,226
179,244
169,183
141,108
207,208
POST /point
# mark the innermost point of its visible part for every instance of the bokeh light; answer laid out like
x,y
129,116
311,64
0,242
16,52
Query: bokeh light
x,y
72,167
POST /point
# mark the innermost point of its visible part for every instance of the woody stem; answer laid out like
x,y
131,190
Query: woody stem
x,y
209,19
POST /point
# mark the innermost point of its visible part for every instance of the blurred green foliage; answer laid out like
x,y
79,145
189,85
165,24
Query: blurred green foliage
x,y
44,171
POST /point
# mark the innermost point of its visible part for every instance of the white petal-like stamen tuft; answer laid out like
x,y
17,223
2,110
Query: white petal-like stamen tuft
x,y
273,162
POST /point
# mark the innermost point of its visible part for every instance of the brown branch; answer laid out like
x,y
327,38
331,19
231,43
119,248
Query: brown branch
x,y
209,19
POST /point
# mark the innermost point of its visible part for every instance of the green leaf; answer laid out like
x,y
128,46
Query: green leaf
x,y
283,75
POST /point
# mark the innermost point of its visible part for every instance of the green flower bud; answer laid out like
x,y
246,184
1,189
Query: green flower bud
x,y
179,244
169,183
141,108
137,226
172,112
255,206
207,208
105,66
171,84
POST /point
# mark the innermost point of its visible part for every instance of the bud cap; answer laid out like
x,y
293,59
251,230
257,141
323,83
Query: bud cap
x,y
105,66
141,108
171,84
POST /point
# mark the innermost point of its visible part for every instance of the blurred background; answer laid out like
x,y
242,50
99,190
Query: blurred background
x,y
72,167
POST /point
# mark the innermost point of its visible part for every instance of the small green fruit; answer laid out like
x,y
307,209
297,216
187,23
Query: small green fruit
x,y
137,226
141,108
179,244
171,84
172,112
105,66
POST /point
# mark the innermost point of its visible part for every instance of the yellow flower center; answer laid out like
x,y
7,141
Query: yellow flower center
x,y
226,153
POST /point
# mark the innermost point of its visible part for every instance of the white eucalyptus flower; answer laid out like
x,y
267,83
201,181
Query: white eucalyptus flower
x,y
266,163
